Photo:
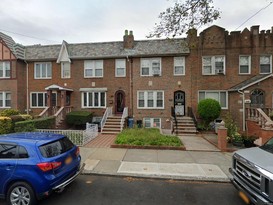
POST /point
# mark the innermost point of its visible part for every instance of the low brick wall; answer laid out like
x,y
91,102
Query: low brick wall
x,y
253,129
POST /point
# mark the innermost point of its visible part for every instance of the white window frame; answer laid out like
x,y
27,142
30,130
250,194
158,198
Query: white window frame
x,y
152,123
177,63
215,91
93,66
149,63
5,97
6,67
154,99
48,70
212,64
92,103
249,64
270,61
37,100
66,73
120,64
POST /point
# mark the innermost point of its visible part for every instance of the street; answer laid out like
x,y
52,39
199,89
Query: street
x,y
104,190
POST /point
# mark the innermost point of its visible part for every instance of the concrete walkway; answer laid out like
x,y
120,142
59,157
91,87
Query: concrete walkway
x,y
201,161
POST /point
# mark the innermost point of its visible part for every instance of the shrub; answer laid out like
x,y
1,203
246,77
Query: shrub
x,y
31,125
9,112
5,125
230,125
209,110
78,117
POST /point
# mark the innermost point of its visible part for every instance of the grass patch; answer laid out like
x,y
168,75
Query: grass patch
x,y
146,137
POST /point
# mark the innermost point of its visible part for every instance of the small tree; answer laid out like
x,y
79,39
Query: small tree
x,y
209,110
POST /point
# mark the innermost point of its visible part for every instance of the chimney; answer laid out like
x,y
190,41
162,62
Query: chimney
x,y
128,40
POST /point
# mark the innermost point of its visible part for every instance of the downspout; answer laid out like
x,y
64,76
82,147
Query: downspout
x,y
244,117
130,60
27,89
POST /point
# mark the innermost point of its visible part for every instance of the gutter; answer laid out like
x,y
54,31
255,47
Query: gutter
x,y
27,88
244,117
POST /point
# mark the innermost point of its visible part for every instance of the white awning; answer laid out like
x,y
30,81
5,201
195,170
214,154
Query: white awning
x,y
93,89
57,87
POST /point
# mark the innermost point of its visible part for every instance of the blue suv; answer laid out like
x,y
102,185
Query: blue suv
x,y
32,165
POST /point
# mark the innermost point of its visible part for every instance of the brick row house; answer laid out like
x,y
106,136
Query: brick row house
x,y
153,79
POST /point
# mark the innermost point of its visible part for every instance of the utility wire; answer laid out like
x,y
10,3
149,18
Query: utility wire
x,y
254,14
28,36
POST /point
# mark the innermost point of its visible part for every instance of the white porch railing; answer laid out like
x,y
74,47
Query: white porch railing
x,y
123,118
108,112
258,115
78,137
44,113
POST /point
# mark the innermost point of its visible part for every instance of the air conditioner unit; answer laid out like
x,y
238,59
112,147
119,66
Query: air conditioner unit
x,y
219,71
156,73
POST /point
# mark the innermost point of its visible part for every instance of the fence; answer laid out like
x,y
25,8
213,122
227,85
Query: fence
x,y
78,137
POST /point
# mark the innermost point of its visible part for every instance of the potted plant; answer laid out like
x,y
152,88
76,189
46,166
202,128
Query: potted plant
x,y
249,141
237,140
271,115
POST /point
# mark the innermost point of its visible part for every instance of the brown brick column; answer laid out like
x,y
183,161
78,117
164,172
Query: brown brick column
x,y
222,138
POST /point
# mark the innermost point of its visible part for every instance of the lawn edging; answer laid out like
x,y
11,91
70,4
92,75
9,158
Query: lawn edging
x,y
148,147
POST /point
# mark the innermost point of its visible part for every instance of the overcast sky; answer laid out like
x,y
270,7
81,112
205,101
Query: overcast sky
x,y
81,21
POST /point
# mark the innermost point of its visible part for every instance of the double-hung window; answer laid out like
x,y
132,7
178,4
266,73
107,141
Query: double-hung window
x,y
66,69
245,64
150,67
93,68
265,64
220,96
179,65
150,99
120,68
152,122
213,65
43,70
5,99
94,99
5,69
38,99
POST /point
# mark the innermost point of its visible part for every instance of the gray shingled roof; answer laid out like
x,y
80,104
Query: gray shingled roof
x,y
110,49
16,49
245,84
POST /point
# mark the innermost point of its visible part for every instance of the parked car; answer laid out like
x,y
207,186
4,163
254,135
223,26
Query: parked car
x,y
33,165
252,173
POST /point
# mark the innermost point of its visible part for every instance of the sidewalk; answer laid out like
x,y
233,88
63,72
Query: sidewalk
x,y
202,161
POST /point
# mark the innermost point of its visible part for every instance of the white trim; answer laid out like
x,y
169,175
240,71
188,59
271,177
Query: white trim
x,y
176,59
57,87
116,64
62,70
63,54
5,70
93,99
215,91
212,64
154,99
150,61
249,65
93,90
151,119
44,103
270,59
93,68
41,63
4,95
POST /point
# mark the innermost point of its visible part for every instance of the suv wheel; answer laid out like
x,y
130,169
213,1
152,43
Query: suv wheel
x,y
21,193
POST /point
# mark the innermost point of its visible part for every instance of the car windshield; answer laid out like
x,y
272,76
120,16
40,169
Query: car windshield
x,y
56,148
268,146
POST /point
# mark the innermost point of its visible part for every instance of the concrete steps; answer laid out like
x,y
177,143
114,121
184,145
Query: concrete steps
x,y
184,126
112,125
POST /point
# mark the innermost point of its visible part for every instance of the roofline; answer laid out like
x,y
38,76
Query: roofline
x,y
253,83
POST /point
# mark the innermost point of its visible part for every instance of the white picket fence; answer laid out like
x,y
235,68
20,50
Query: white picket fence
x,y
78,137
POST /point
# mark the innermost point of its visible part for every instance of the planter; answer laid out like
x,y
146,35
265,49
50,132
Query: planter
x,y
237,143
248,143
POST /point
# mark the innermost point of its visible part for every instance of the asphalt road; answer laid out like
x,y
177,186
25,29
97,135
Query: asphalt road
x,y
104,190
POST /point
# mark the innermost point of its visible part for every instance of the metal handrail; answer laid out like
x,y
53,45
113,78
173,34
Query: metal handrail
x,y
108,112
124,116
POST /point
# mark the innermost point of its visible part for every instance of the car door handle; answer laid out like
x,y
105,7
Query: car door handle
x,y
9,167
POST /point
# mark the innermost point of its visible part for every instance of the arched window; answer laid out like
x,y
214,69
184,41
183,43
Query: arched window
x,y
257,98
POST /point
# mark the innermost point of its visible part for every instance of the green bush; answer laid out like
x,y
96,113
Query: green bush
x,y
209,110
78,117
9,112
5,125
230,125
31,125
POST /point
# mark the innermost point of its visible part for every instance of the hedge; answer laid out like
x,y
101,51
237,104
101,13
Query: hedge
x,y
31,125
5,125
78,117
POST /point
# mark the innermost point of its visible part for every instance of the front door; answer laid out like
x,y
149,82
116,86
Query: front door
x,y
179,103
119,101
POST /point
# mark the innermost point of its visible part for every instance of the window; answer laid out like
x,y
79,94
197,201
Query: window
x,y
93,99
220,96
43,71
152,122
213,65
257,98
150,67
179,65
5,99
22,152
5,69
7,151
265,64
150,99
93,68
120,68
245,64
66,69
38,100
